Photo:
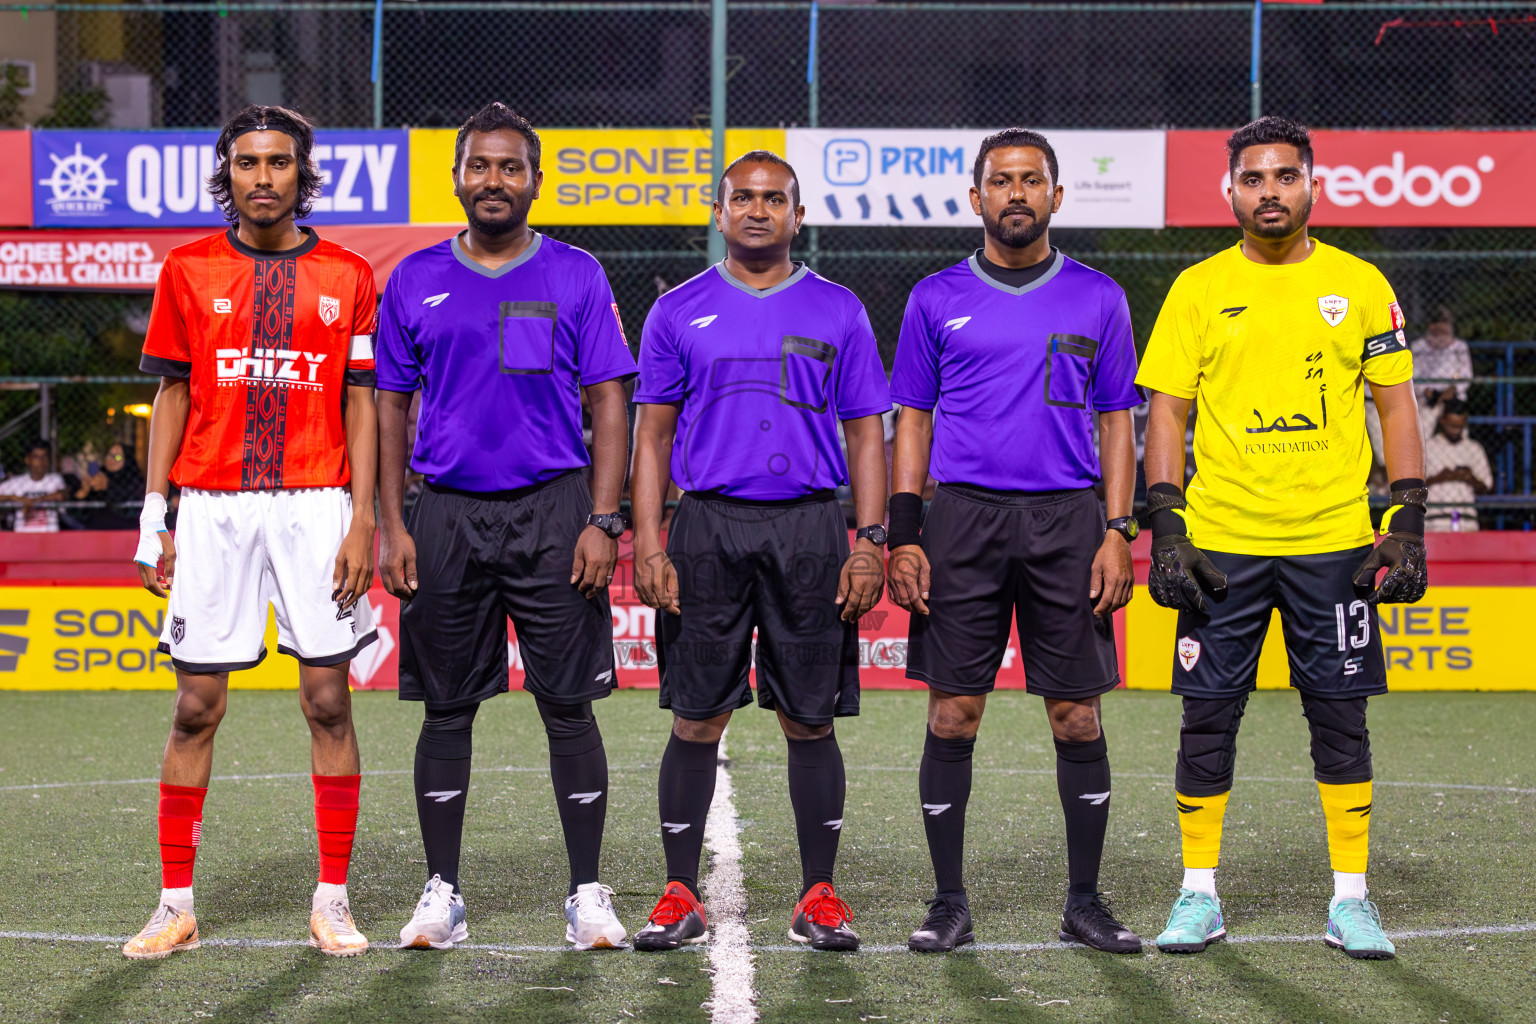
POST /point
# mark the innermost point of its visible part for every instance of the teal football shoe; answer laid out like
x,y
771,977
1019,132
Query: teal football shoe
x,y
1354,925
1194,923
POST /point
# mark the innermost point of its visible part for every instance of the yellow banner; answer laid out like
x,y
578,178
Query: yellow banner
x,y
103,638
1456,638
597,176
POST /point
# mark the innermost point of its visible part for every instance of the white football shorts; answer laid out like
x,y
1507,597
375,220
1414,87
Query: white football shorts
x,y
239,551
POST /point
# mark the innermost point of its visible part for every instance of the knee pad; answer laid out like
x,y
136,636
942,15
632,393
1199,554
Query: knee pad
x,y
1208,745
1341,744
446,735
571,728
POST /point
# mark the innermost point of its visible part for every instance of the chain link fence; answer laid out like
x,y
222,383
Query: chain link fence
x,y
919,65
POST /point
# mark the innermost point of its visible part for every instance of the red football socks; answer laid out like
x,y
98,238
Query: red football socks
x,y
336,822
181,829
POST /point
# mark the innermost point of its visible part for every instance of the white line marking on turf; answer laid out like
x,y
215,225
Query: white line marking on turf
x,y
732,1000
980,947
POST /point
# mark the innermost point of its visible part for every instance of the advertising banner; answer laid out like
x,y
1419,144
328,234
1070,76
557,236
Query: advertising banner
x,y
96,179
606,176
922,178
15,179
1456,638
122,259
1375,179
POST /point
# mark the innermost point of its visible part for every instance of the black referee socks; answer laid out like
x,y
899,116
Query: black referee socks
x,y
1082,780
817,789
442,780
578,767
684,792
944,787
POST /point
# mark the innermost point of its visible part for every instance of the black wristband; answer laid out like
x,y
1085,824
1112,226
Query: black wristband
x,y
1411,494
1162,499
906,514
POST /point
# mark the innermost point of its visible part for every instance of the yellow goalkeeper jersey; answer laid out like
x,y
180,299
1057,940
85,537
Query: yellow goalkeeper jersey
x,y
1276,359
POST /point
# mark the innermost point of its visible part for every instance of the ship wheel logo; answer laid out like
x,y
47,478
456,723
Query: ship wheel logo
x,y
79,183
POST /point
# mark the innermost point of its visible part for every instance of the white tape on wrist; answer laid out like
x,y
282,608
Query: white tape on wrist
x,y
151,525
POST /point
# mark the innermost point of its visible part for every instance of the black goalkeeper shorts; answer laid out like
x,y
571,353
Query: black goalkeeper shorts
x,y
994,556
1332,637
481,559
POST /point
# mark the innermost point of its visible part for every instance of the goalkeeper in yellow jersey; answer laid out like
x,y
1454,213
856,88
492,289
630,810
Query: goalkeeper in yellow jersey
x,y
1277,338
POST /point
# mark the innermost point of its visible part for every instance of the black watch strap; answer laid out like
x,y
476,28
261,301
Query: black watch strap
x,y
875,534
1125,526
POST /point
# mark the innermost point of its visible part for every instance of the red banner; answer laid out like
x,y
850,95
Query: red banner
x,y
129,260
1375,179
15,178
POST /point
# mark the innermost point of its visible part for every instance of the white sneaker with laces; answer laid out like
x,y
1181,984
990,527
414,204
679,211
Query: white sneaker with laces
x,y
439,919
591,922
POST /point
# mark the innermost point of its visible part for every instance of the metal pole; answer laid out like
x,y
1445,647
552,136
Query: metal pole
x,y
1255,74
45,397
813,120
716,114
378,64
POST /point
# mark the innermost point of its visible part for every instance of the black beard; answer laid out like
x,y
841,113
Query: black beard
x,y
518,206
1282,229
1020,237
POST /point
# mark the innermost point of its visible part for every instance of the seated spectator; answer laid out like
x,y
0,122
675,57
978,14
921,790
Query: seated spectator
x,y
1439,356
1456,470
37,484
119,483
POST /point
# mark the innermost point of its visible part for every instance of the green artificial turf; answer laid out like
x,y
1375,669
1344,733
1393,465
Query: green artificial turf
x,y
82,862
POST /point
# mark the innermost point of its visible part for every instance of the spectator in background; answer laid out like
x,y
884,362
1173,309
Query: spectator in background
x,y
37,484
118,483
1456,470
1439,356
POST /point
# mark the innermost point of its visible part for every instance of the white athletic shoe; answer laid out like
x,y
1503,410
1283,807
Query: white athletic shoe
x,y
591,922
439,919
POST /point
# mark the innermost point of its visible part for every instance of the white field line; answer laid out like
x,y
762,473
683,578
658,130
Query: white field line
x,y
980,947
732,1000
772,766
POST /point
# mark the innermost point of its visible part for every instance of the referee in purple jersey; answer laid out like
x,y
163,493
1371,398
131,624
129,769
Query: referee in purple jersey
x,y
1004,363
503,331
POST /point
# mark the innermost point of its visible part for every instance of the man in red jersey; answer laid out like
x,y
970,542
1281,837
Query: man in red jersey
x,y
262,338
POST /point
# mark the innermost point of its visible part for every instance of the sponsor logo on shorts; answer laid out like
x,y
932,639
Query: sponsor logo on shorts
x,y
330,309
1334,308
1189,652
178,629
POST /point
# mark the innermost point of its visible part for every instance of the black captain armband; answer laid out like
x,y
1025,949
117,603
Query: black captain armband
x,y
1406,515
906,514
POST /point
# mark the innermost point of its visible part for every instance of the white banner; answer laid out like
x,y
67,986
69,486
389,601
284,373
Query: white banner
x,y
922,178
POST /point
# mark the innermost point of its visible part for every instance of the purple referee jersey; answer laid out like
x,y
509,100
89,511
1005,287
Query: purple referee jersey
x,y
500,357
1014,375
763,377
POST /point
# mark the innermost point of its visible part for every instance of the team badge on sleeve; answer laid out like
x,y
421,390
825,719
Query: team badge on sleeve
x,y
1334,308
1189,652
330,309
1398,320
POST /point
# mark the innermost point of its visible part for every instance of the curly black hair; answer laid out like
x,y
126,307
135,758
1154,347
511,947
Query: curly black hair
x,y
497,117
1269,131
279,119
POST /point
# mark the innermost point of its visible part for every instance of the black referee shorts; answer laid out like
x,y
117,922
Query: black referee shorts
x,y
481,559
772,567
993,556
1332,637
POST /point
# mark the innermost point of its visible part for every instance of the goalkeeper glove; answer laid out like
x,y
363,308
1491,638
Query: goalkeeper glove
x,y
1181,576
1401,551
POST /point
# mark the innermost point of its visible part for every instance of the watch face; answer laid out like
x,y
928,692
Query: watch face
x,y
875,534
1130,527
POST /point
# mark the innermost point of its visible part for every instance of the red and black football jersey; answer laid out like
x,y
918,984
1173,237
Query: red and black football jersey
x,y
269,342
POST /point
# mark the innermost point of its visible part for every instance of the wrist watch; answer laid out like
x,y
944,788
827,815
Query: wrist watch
x,y
611,523
1125,526
874,534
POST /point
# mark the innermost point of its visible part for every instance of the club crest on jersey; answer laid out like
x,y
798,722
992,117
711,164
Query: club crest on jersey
x,y
330,309
1189,652
1334,308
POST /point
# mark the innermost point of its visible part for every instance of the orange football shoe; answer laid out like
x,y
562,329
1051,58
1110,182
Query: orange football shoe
x,y
332,932
169,931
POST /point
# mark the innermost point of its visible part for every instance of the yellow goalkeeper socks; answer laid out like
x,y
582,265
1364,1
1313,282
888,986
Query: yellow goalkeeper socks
x,y
1347,809
1200,823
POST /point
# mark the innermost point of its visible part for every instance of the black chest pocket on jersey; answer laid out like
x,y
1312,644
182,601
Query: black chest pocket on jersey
x,y
805,370
526,333
1068,370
